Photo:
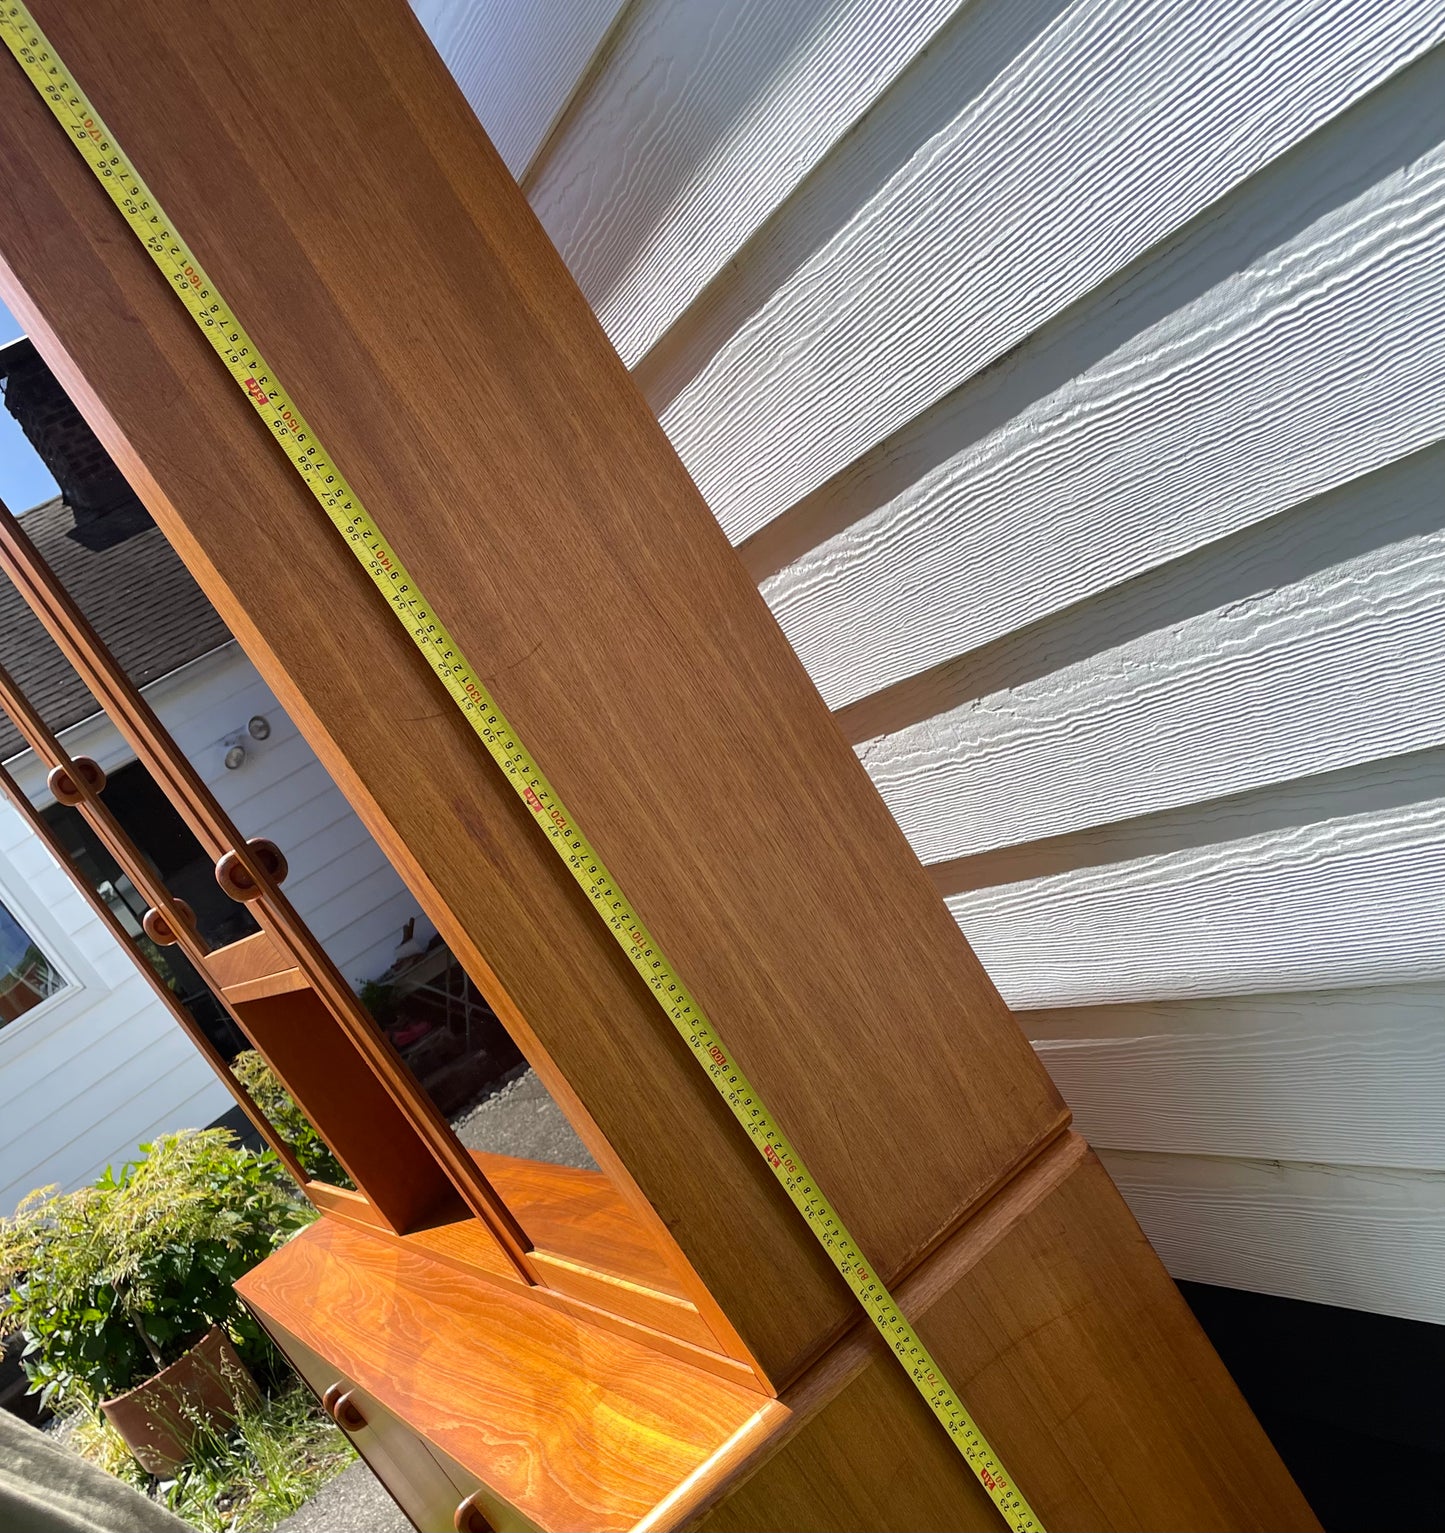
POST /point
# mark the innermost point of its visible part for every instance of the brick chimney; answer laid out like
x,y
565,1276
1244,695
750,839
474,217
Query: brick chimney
x,y
90,483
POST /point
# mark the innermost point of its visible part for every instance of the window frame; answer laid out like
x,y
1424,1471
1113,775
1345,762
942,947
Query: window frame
x,y
83,986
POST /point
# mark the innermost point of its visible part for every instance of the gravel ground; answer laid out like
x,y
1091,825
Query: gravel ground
x,y
517,1118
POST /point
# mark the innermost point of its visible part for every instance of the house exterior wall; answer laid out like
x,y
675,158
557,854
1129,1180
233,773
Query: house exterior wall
x,y
101,1067
1070,377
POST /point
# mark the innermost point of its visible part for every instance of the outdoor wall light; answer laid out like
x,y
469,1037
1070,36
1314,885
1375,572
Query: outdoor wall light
x,y
234,757
258,727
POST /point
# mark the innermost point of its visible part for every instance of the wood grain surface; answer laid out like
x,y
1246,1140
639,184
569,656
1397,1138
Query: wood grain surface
x,y
1069,1339
578,1215
444,355
574,1426
1074,1350
1110,1351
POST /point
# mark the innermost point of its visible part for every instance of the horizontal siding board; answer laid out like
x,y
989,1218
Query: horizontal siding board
x,y
363,948
1287,344
701,121
104,1085
1017,208
1195,905
304,804
76,1051
1279,678
313,833
113,1139
199,1110
328,894
517,61
1356,1076
1368,1239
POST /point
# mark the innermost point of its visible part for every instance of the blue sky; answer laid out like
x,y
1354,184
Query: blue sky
x,y
24,479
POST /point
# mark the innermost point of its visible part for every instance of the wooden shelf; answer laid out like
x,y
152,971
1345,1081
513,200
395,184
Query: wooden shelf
x,y
589,1248
578,1216
253,969
568,1423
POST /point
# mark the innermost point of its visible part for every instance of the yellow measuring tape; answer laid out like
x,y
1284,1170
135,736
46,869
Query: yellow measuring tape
x,y
327,483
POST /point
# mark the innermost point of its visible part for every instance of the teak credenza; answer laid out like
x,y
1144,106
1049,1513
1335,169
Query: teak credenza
x,y
659,1343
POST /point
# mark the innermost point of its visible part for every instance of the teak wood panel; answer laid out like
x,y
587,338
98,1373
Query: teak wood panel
x,y
1068,1338
573,1426
1078,1357
427,1484
1074,1350
576,1214
439,347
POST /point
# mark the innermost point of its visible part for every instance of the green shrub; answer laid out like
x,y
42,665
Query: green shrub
x,y
113,1282
287,1119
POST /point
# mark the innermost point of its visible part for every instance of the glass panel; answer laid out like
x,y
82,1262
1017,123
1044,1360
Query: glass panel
x,y
106,877
27,976
174,850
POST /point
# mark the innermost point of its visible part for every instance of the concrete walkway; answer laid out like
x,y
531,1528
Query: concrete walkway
x,y
517,1119
354,1502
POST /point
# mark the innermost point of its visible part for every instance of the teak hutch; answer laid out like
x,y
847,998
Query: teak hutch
x,y
658,1343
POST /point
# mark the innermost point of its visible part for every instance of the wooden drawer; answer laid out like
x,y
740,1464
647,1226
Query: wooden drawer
x,y
437,1494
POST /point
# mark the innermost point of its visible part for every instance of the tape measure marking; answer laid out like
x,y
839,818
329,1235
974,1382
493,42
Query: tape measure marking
x,y
326,482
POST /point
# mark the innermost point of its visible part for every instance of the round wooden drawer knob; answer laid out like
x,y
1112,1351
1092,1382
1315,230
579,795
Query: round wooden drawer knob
x,y
233,877
471,1518
156,925
64,786
344,1410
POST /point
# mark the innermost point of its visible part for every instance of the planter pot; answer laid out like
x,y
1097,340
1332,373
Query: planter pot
x,y
160,1418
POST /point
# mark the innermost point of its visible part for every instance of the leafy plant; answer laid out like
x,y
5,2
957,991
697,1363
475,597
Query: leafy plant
x,y
287,1119
115,1281
380,1000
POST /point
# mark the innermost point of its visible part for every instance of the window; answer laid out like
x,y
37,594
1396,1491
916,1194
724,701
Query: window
x,y
27,976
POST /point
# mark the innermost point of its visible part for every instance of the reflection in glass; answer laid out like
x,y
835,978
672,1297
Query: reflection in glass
x,y
27,976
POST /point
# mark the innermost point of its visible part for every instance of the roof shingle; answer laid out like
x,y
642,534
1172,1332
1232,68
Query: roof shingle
x,y
129,582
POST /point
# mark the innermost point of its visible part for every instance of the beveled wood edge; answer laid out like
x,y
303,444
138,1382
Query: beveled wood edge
x,y
348,1205
897,1278
345,1207
577,1280
759,1438
262,988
